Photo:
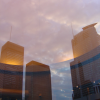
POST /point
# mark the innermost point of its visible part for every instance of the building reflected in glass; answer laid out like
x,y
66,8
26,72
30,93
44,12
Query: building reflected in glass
x,y
85,69
38,81
12,53
11,71
38,77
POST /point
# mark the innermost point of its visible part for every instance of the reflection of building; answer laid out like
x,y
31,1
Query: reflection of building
x,y
38,81
85,69
12,53
11,77
11,72
85,41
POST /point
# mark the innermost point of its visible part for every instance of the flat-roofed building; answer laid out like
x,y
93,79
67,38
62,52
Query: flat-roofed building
x,y
38,81
12,53
11,72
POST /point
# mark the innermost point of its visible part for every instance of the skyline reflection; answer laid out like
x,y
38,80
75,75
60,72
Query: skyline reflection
x,y
63,35
59,84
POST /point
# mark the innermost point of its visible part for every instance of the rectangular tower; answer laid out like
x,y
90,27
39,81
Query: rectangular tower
x,y
85,41
38,81
11,71
84,69
12,53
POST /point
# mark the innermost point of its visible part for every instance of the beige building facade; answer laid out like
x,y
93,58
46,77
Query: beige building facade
x,y
85,41
12,53
85,70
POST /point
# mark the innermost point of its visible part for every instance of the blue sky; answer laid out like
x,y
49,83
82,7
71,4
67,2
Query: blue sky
x,y
61,81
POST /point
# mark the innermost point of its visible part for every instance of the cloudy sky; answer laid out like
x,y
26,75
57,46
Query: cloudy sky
x,y
43,28
61,81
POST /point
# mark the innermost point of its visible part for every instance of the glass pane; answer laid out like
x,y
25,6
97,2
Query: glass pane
x,y
50,50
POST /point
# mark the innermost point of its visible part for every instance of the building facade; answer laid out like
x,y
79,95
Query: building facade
x,y
11,72
38,81
85,70
11,78
38,76
85,41
12,53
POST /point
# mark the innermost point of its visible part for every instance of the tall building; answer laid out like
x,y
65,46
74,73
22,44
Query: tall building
x,y
85,41
85,70
38,81
11,72
12,53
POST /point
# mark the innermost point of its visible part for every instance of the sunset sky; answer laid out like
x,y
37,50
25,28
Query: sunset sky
x,y
43,28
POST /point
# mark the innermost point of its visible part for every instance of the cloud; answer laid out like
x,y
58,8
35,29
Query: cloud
x,y
61,81
44,27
